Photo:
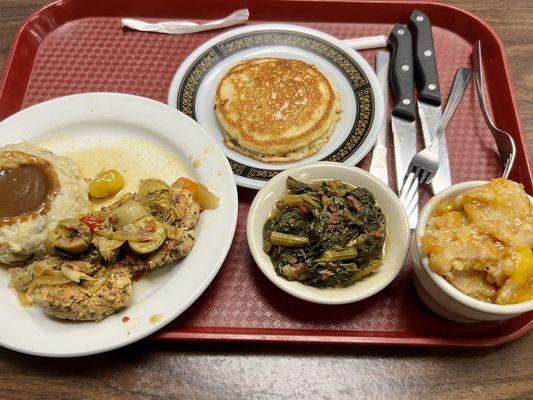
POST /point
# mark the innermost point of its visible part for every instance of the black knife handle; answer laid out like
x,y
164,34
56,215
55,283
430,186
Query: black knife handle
x,y
401,72
426,75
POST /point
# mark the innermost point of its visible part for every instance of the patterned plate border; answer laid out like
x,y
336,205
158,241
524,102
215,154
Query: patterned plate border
x,y
190,83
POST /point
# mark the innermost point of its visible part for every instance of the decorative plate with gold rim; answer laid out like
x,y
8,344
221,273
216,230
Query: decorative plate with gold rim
x,y
194,85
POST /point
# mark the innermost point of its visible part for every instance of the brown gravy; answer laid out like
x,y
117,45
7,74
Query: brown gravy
x,y
25,189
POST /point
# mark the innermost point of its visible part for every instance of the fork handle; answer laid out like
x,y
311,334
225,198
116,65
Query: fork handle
x,y
478,76
460,82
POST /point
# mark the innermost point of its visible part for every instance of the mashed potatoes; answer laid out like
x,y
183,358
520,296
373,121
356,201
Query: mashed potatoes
x,y
481,242
56,189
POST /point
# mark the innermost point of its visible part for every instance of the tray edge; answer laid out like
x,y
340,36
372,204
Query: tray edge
x,y
196,336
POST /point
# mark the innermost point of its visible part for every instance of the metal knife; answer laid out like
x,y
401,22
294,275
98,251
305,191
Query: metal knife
x,y
403,120
378,165
429,97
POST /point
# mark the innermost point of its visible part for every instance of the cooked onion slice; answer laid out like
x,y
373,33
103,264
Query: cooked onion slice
x,y
50,278
91,287
41,269
75,276
24,299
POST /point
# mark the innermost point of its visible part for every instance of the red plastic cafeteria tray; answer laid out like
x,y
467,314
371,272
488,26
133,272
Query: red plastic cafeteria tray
x,y
73,46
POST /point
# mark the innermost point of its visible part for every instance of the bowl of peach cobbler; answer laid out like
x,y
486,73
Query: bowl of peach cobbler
x,y
473,251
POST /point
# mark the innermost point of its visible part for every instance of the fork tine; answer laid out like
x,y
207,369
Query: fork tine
x,y
430,178
410,207
406,191
415,172
423,176
427,176
411,193
406,186
507,168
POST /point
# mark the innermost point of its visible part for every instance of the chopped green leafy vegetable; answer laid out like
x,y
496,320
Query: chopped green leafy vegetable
x,y
325,233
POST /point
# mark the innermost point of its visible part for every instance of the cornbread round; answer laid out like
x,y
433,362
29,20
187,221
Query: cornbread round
x,y
276,110
63,194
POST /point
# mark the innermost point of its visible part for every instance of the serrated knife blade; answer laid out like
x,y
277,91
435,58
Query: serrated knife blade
x,y
404,145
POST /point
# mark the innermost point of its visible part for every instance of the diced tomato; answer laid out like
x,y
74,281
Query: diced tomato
x,y
303,209
93,222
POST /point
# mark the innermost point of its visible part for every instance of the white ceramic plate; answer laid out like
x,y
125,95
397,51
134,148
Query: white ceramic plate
x,y
74,121
396,244
193,90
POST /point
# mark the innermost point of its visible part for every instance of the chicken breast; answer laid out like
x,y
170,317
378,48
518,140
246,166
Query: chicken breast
x,y
20,278
70,301
187,210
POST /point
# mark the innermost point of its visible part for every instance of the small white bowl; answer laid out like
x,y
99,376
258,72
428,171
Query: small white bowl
x,y
441,296
396,244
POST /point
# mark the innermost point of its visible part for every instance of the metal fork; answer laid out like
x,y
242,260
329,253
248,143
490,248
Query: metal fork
x,y
424,164
504,141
